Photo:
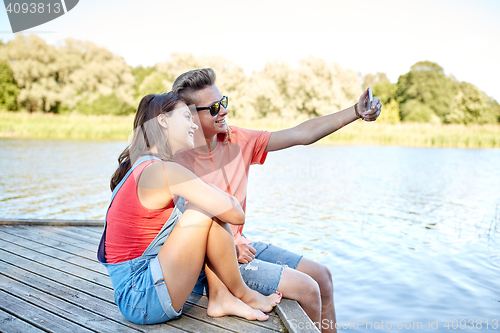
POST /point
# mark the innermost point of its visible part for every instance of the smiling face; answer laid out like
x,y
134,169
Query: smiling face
x,y
180,128
211,125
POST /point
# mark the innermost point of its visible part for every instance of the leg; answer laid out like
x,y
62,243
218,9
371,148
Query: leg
x,y
306,274
233,282
323,277
302,288
222,303
183,254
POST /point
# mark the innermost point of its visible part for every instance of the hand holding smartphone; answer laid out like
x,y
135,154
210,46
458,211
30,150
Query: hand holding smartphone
x,y
370,99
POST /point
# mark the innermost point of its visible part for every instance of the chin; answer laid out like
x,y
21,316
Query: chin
x,y
222,129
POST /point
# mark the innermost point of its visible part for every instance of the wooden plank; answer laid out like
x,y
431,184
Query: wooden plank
x,y
59,307
50,260
67,240
77,272
72,281
78,292
38,317
230,323
95,231
56,249
71,234
105,308
196,326
294,318
80,231
270,324
273,322
68,294
81,223
82,300
50,233
12,324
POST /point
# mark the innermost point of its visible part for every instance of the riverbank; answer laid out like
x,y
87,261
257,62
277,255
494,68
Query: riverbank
x,y
107,127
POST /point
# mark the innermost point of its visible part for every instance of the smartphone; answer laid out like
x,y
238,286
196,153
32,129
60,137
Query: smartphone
x,y
370,99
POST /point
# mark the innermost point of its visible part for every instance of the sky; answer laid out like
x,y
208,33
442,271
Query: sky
x,y
389,36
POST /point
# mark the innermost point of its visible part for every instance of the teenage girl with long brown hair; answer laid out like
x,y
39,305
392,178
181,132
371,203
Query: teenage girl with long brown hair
x,y
153,245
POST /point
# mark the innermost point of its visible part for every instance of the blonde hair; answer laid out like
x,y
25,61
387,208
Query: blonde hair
x,y
190,82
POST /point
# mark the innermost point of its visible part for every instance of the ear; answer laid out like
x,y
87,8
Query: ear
x,y
162,120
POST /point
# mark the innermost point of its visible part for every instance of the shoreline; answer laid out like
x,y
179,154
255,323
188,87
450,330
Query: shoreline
x,y
39,126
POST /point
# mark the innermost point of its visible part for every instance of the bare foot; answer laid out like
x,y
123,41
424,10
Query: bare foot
x,y
224,304
260,302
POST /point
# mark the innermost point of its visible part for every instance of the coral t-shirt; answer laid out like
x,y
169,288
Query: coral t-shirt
x,y
228,164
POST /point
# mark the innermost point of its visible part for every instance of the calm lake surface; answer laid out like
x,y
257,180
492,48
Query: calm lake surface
x,y
409,234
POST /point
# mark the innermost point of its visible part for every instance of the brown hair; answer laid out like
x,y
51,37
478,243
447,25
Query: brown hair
x,y
147,133
188,83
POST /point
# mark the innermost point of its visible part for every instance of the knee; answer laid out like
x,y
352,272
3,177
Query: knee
x,y
325,280
312,292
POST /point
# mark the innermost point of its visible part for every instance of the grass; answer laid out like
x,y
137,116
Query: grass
x,y
76,126
70,126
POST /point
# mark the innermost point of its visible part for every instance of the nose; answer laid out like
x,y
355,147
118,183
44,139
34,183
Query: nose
x,y
222,111
194,126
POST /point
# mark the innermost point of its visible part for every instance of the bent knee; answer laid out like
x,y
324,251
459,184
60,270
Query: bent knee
x,y
309,289
299,286
324,279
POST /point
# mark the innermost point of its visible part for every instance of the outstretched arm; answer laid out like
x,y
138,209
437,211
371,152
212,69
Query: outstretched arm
x,y
314,129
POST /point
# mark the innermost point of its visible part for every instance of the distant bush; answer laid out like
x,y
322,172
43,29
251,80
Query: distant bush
x,y
418,112
8,88
105,104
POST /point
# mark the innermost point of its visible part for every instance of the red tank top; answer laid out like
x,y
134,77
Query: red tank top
x,y
131,227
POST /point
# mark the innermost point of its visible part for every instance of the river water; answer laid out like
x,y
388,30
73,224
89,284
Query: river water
x,y
411,235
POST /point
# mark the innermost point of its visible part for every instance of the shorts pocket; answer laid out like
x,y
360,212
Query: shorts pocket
x,y
128,304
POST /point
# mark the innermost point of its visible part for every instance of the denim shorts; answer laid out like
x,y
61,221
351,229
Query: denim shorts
x,y
140,291
262,274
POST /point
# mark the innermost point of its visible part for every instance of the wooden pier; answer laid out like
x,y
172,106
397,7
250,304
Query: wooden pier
x,y
51,281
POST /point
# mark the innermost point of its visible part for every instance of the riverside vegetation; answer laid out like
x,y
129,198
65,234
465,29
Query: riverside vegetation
x,y
112,127
82,91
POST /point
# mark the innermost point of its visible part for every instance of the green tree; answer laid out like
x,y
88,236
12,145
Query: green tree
x,y
390,113
370,80
416,111
154,83
104,104
321,88
231,79
267,92
472,106
140,73
427,84
52,79
386,91
8,88
315,88
495,108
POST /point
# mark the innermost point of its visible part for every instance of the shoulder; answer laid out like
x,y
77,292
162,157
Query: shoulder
x,y
245,134
154,174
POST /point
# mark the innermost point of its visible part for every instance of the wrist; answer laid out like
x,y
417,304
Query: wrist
x,y
356,111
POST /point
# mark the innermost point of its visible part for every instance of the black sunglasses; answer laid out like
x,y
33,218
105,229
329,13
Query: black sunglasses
x,y
215,108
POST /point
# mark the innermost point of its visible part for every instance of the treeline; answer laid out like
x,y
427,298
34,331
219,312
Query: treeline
x,y
78,76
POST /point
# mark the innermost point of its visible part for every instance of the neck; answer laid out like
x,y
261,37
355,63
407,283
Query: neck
x,y
211,143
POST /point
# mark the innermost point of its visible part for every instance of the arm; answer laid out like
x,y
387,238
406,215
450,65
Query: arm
x,y
314,129
162,181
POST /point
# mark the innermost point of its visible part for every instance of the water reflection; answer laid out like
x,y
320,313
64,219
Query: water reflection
x,y
409,234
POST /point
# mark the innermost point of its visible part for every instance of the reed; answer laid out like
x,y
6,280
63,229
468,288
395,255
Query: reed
x,y
107,127
69,126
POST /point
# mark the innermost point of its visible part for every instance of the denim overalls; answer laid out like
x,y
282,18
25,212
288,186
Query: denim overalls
x,y
139,289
